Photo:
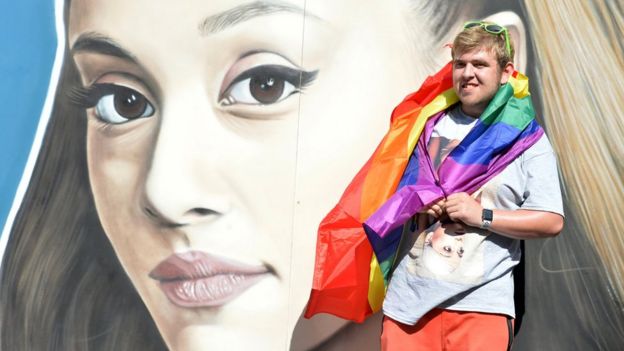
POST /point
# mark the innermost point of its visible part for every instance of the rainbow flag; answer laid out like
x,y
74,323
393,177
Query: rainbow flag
x,y
358,240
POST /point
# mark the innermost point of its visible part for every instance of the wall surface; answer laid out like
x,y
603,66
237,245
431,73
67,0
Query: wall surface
x,y
192,149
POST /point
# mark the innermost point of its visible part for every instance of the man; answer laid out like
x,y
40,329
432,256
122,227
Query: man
x,y
469,304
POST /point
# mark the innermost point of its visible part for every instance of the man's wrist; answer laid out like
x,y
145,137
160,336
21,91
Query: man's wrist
x,y
487,216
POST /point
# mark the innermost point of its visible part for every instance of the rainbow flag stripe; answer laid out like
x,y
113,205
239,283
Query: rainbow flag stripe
x,y
359,238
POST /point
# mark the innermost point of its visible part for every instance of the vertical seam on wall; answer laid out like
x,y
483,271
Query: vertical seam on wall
x,y
294,200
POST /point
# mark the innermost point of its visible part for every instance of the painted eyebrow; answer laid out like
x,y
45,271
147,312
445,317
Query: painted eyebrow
x,y
245,12
101,44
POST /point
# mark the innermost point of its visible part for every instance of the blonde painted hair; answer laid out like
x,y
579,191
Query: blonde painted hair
x,y
584,115
477,37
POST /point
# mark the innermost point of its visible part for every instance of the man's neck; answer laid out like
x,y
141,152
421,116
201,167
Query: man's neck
x,y
472,111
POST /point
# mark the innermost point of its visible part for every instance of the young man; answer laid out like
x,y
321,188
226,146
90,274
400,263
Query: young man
x,y
471,306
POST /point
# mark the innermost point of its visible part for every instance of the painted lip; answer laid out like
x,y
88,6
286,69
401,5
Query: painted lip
x,y
198,279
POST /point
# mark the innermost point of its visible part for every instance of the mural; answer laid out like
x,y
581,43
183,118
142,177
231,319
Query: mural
x,y
186,152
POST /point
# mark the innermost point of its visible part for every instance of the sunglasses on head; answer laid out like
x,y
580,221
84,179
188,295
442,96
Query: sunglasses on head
x,y
491,28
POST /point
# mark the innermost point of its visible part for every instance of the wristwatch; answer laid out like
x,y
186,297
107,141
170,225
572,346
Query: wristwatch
x,y
486,218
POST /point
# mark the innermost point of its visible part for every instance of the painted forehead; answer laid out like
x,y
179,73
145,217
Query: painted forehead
x,y
219,16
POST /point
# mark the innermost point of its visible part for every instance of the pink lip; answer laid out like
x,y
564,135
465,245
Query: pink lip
x,y
199,279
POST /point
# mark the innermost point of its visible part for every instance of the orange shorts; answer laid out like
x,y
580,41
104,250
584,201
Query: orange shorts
x,y
447,330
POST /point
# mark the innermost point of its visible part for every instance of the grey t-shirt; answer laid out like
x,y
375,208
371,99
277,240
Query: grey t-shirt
x,y
471,271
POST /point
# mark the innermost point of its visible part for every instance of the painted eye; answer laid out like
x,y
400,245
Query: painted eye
x,y
114,104
266,85
120,104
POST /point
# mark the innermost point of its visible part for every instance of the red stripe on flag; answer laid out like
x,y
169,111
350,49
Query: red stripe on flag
x,y
343,254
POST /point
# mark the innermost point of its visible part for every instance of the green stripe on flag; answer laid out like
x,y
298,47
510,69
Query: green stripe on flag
x,y
505,108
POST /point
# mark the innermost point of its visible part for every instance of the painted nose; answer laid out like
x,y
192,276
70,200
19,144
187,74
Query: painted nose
x,y
183,184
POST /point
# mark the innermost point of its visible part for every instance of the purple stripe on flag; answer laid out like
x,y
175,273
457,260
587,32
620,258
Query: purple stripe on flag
x,y
455,178
454,175
400,207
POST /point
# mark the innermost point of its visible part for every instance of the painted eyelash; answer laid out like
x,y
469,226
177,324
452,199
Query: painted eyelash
x,y
290,74
307,78
88,97
299,78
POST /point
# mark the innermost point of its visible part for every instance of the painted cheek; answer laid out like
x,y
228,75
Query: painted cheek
x,y
116,163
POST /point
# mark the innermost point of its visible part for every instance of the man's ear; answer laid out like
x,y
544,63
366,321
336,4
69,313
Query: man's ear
x,y
507,72
518,35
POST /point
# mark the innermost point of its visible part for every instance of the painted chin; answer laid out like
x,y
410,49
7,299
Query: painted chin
x,y
197,279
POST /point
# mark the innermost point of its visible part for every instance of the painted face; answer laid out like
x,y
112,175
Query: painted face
x,y
476,79
216,143
447,243
444,249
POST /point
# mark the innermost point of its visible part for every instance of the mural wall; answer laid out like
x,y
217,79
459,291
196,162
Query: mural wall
x,y
166,164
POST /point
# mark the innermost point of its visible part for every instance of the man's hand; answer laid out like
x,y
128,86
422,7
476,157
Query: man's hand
x,y
461,207
516,224
436,210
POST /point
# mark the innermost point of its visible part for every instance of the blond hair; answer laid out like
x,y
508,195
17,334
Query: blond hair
x,y
584,115
477,37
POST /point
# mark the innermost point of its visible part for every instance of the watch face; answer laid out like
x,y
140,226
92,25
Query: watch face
x,y
487,215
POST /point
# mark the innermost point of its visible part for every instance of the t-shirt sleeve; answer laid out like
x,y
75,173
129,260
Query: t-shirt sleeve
x,y
542,191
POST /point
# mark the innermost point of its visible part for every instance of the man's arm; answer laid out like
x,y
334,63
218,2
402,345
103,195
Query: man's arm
x,y
516,224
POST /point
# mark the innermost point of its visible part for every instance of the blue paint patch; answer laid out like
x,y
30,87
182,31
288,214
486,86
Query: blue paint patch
x,y
28,46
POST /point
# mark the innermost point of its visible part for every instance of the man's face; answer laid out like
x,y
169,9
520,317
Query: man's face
x,y
476,79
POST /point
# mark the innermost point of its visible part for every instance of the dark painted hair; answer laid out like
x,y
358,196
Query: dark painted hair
x,y
62,286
